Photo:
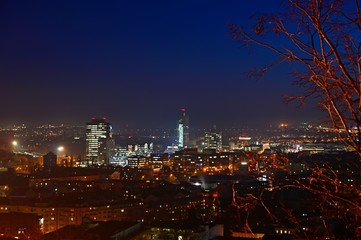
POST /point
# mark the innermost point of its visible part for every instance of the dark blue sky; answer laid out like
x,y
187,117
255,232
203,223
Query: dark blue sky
x,y
137,63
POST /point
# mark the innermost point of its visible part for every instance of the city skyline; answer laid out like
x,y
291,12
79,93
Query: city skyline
x,y
167,119
137,64
170,126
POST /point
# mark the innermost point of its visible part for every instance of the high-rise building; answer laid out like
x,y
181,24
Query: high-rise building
x,y
213,140
49,161
183,130
98,141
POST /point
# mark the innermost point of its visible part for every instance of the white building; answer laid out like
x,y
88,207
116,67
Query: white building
x,y
98,141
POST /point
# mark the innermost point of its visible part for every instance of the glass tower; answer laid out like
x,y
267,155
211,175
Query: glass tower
x,y
183,130
213,140
98,141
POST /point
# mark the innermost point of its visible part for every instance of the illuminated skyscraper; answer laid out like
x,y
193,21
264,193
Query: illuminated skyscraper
x,y
213,140
98,141
183,130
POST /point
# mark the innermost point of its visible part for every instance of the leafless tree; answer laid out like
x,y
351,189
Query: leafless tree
x,y
324,36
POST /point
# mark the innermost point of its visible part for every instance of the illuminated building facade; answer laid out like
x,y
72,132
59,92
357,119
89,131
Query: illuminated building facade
x,y
137,161
54,217
213,140
183,130
98,141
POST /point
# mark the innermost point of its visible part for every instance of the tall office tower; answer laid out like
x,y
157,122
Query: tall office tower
x,y
183,130
98,141
213,140
49,161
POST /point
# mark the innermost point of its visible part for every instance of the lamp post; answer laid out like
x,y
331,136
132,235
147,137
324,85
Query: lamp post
x,y
15,144
60,149
61,155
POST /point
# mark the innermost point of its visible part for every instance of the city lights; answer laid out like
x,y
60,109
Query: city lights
x,y
184,144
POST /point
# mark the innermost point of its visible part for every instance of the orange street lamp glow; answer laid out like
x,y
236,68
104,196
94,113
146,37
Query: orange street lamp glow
x,y
60,148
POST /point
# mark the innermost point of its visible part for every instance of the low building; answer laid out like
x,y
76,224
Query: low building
x,y
111,230
179,230
20,225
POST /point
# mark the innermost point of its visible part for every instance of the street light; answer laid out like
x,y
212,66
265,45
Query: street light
x,y
15,144
60,148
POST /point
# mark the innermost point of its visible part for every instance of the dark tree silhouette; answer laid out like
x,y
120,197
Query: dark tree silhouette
x,y
324,36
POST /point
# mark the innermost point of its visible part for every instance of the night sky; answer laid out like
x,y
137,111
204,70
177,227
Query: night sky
x,y
137,62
